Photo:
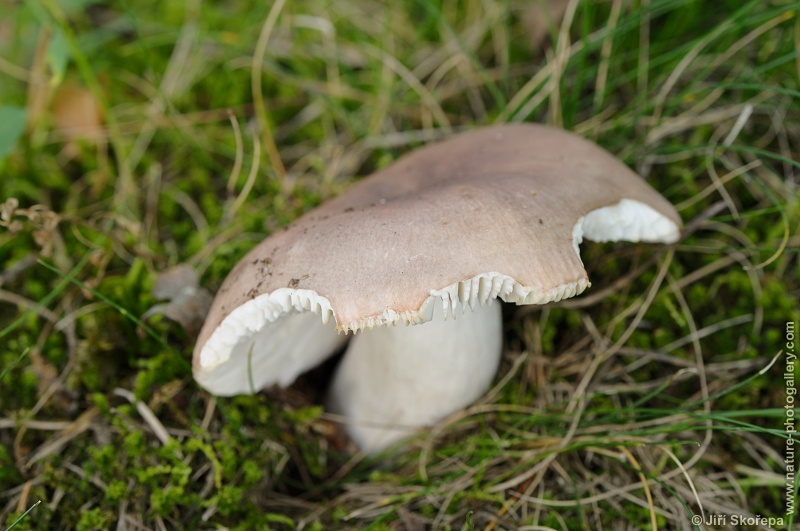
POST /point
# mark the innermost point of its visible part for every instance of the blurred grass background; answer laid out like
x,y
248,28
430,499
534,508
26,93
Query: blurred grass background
x,y
139,135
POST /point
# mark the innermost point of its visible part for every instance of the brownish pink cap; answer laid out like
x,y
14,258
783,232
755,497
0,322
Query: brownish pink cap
x,y
493,213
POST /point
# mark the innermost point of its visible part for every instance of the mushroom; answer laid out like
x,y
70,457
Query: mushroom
x,y
432,241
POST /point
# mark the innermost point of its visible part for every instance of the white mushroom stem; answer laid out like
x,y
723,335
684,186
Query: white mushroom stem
x,y
395,380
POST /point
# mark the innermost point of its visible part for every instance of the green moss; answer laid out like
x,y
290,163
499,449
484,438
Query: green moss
x,y
135,444
163,501
116,491
8,473
229,500
93,519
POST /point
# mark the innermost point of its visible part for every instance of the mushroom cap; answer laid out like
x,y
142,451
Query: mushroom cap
x,y
496,212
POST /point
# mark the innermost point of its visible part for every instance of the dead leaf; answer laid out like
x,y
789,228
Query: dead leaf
x,y
76,113
188,302
171,282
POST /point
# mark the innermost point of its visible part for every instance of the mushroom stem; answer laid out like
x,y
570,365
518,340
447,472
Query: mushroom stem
x,y
395,380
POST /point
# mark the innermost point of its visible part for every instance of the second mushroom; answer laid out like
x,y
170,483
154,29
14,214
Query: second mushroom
x,y
434,241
